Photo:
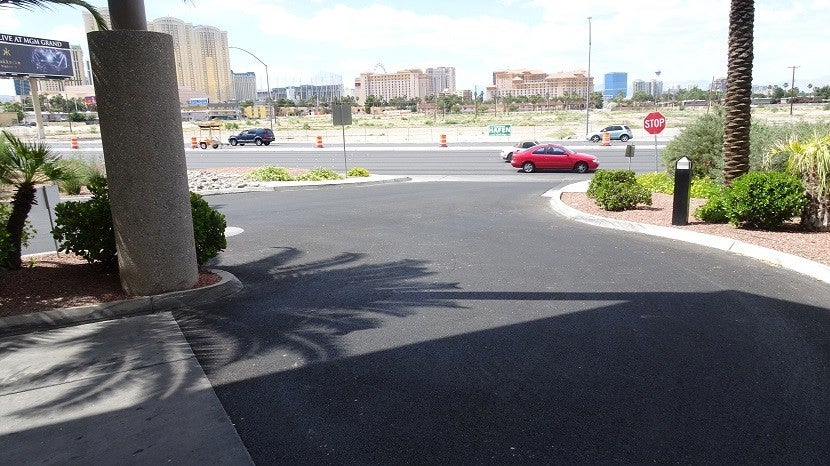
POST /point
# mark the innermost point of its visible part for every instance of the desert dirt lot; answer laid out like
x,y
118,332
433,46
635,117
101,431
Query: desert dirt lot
x,y
460,128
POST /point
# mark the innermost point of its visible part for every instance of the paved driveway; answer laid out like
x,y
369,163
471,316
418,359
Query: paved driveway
x,y
465,323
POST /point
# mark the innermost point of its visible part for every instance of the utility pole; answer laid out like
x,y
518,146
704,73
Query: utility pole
x,y
792,89
588,82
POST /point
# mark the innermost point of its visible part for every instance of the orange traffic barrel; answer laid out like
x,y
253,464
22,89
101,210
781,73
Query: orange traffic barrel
x,y
606,139
193,143
74,142
319,142
443,140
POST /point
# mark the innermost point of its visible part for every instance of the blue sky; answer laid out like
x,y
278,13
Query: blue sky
x,y
685,40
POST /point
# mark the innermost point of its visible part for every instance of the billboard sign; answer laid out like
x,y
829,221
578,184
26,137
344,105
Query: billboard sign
x,y
202,101
30,56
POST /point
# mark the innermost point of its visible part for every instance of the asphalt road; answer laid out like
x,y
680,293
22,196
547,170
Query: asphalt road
x,y
466,323
395,159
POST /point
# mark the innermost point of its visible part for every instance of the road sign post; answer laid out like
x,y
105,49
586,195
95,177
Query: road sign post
x,y
654,123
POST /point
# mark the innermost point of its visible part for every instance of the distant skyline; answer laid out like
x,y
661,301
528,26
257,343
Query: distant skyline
x,y
685,41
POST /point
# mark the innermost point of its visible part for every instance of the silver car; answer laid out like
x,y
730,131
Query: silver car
x,y
621,132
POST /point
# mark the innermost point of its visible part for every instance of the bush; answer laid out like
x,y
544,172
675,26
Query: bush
x,y
270,173
357,171
705,188
85,171
714,211
208,229
656,182
85,228
764,200
617,190
319,174
702,142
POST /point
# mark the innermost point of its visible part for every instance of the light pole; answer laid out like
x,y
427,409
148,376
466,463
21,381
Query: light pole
x,y
588,81
267,83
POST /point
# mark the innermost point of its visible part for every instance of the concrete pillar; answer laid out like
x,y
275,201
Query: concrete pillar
x,y
138,107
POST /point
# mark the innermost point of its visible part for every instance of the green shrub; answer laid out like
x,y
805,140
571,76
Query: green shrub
x,y
604,179
617,190
357,171
702,142
319,174
5,245
714,211
85,228
764,200
208,229
270,173
231,126
658,182
705,188
624,197
85,172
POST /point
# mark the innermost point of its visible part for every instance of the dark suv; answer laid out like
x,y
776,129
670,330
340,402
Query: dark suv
x,y
258,136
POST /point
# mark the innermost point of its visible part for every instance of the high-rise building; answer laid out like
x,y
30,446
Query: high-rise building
x,y
244,86
440,80
407,84
529,83
212,53
89,22
200,52
78,71
22,87
653,88
615,83
184,51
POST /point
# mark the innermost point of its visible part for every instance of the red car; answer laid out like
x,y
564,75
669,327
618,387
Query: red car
x,y
553,157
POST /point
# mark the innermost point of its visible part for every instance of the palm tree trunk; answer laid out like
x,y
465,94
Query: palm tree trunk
x,y
816,215
22,203
738,90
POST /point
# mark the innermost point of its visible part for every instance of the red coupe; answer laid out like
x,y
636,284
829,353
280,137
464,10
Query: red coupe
x,y
553,157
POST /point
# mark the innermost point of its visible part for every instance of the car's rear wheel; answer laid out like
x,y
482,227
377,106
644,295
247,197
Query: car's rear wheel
x,y
581,167
258,141
203,145
624,138
528,167
233,142
509,157
595,138
215,145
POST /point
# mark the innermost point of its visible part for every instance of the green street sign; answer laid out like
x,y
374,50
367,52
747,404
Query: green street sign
x,y
499,130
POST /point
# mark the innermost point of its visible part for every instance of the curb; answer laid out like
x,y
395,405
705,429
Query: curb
x,y
270,186
69,316
798,264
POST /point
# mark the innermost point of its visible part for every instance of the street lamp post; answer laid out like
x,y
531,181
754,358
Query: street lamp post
x,y
267,83
588,82
792,89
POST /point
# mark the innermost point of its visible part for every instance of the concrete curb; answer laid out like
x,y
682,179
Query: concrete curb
x,y
69,316
798,264
271,186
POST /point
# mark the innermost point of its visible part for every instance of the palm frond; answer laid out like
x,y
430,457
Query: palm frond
x,y
33,4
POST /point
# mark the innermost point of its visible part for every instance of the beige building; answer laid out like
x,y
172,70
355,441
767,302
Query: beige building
x,y
547,85
441,80
201,54
407,84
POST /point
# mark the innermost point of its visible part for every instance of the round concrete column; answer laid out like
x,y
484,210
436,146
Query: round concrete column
x,y
138,107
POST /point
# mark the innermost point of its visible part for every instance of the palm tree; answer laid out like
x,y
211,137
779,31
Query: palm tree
x,y
738,90
811,161
24,166
30,4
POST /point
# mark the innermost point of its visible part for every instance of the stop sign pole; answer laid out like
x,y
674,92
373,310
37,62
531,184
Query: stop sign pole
x,y
654,123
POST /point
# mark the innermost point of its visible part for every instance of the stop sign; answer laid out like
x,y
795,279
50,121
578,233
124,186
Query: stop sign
x,y
654,123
